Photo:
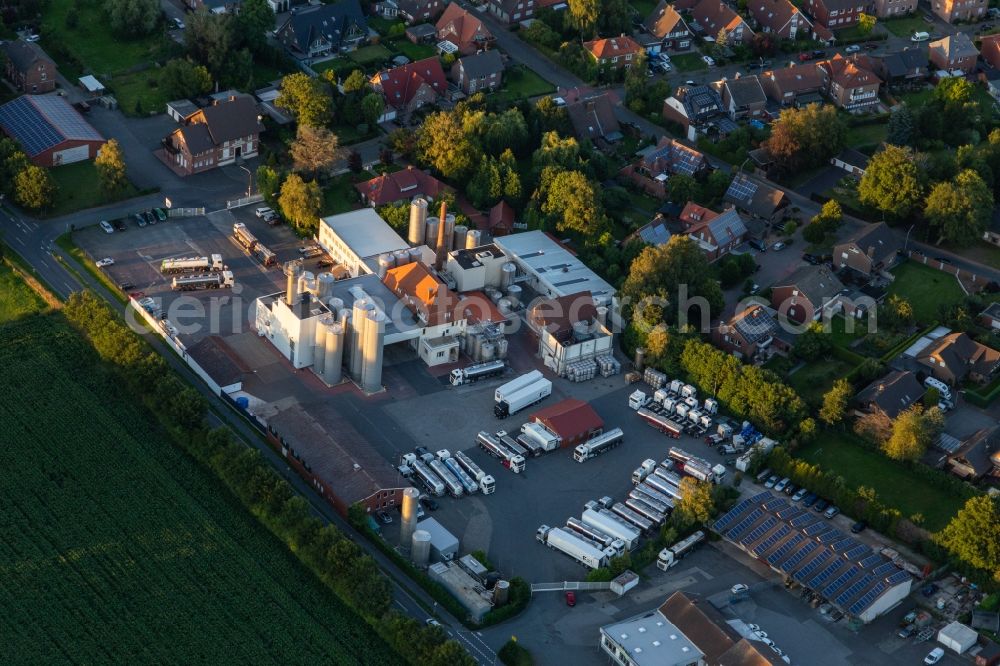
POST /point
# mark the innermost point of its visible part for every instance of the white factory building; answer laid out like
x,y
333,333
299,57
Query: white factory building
x,y
356,239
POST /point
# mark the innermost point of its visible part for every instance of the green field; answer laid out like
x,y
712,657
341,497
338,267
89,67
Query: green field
x,y
926,289
904,27
16,299
895,485
373,54
522,83
117,548
815,379
867,135
79,190
688,62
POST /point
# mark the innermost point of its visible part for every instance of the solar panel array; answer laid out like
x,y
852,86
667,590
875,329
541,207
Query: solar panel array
x,y
885,569
825,574
841,581
805,519
870,561
42,122
790,514
813,565
854,590
829,536
735,512
775,505
870,596
806,550
770,541
815,529
858,551
842,544
742,526
898,577
686,161
784,550
741,189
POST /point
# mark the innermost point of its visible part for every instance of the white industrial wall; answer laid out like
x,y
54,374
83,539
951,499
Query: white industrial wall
x,y
888,600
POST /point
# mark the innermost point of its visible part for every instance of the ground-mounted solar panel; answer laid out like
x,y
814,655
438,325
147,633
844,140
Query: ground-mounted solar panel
x,y
784,549
898,577
789,565
869,597
771,540
759,531
854,590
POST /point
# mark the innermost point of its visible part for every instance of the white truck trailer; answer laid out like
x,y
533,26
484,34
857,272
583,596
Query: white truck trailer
x,y
598,445
474,373
192,265
669,557
523,394
197,282
487,484
577,548
492,446
612,525
602,539
537,433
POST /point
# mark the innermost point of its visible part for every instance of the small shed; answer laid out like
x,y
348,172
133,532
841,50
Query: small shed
x,y
91,85
421,34
573,420
444,544
957,637
181,109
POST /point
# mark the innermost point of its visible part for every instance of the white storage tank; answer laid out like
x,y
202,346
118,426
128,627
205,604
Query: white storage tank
x,y
504,306
418,221
359,321
401,257
408,516
374,339
336,305
431,232
449,232
507,272
385,263
333,356
461,233
493,294
473,239
514,293
319,346
324,286
501,592
501,347
420,548
415,255
307,282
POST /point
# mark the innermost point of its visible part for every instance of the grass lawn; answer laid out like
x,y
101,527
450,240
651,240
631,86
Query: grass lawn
x,y
16,298
839,334
414,51
373,54
867,135
520,83
906,26
384,25
852,34
688,62
644,7
893,483
339,195
815,379
142,89
984,253
78,189
926,289
342,66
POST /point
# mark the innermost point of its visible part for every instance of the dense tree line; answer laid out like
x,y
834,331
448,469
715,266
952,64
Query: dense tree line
x,y
336,560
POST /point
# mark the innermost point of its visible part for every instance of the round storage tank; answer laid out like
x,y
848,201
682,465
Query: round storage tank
x,y
602,315
461,233
501,592
504,306
431,232
449,232
402,257
307,282
333,354
581,330
418,221
501,346
385,263
415,255
473,239
493,294
324,285
319,347
408,516
420,548
640,359
514,293
507,272
488,351
336,305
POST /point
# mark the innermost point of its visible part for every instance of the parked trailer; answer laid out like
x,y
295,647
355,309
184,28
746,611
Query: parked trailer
x,y
577,548
598,445
243,237
455,488
533,448
667,475
510,460
652,497
508,441
668,557
611,524
474,373
646,510
516,384
643,470
192,265
487,484
643,523
467,481
537,432
661,423
663,486
429,479
265,255
603,539
511,402
699,469
195,282
662,498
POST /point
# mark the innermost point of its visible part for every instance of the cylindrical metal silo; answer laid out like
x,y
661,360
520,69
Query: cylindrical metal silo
x,y
504,306
420,548
602,315
431,232
292,270
473,239
460,234
415,255
501,346
324,286
493,294
344,317
319,348
336,305
514,293
501,592
487,351
507,272
371,374
401,257
385,262
334,353
359,320
449,232
408,519
418,220
640,359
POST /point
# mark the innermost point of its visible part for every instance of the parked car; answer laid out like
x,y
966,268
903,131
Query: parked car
x,y
820,506
160,214
790,489
739,588
150,218
920,37
799,494
780,485
384,517
108,229
762,476
263,210
106,261
179,24
934,656
831,512
757,244
853,48
780,245
570,598
139,219
773,479
809,500
858,527
118,223
907,631
429,503
34,37
708,60
431,622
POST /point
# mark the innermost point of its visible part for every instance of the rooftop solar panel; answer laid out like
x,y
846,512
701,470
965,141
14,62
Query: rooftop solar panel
x,y
741,189
759,531
864,602
842,544
898,577
771,541
790,513
829,536
814,529
857,552
802,574
854,590
825,573
784,550
802,520
793,561
731,515
776,504
744,524
885,569
871,561
41,122
840,582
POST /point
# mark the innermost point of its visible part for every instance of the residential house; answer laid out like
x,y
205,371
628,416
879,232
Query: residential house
x,y
479,72
502,219
892,394
906,68
594,118
691,106
752,331
50,130
28,67
887,9
717,234
652,233
836,14
978,456
422,33
668,26
613,52
656,164
795,85
851,161
954,52
780,18
512,11
214,136
953,11
411,11
990,317
465,31
319,31
849,85
956,357
758,200
401,185
742,97
989,50
808,294
714,16
411,86
870,250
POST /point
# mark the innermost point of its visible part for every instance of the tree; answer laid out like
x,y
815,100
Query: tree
x,y
372,108
315,150
486,186
912,432
132,18
110,165
444,145
211,40
866,23
569,199
835,402
891,182
901,122
682,188
510,176
356,81
300,202
306,98
268,182
183,78
960,210
973,535
695,503
807,137
830,215
583,15
12,162
506,131
813,343
814,233
34,188
556,151
255,19
614,19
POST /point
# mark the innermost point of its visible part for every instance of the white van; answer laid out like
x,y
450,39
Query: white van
x,y
920,37
942,388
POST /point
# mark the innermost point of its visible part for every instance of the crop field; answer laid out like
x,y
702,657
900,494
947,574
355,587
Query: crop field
x,y
117,548
16,299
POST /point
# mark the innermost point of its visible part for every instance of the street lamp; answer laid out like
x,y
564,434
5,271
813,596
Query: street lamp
x,y
906,243
249,180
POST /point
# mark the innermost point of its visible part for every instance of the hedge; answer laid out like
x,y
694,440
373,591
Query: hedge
x,y
904,345
984,396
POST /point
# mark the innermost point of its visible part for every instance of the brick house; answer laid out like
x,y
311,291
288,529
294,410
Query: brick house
x,y
461,28
215,136
780,18
479,72
50,130
750,332
411,11
512,11
868,251
28,67
613,52
906,68
837,14
954,52
691,106
573,421
410,86
952,11
742,97
794,85
989,50
400,185
319,31
890,395
668,26
717,234
760,201
593,117
850,85
715,16
885,9
956,357
807,294
656,164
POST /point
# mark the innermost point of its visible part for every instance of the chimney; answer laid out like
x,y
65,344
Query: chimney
x,y
871,251
441,240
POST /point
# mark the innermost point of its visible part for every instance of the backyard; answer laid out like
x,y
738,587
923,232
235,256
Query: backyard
x,y
413,51
78,189
815,378
906,26
522,83
868,136
926,289
895,485
688,62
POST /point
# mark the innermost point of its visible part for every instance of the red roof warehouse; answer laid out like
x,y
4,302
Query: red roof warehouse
x,y
50,130
574,421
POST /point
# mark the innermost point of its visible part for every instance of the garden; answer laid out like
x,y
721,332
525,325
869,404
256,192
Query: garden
x,y
926,289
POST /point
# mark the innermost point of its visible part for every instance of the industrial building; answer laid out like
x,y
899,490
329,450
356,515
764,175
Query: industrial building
x,y
444,544
803,547
550,269
470,592
570,330
477,268
572,421
50,130
356,239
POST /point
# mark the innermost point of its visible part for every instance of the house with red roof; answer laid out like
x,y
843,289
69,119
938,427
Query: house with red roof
x,y
667,25
714,16
849,84
461,28
502,218
989,50
400,186
613,52
410,86
656,164
780,18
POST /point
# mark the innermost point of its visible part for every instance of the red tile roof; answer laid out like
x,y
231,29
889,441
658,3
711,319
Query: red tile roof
x,y
694,215
612,47
400,84
569,419
847,73
714,15
461,28
405,184
774,14
989,49
501,219
424,294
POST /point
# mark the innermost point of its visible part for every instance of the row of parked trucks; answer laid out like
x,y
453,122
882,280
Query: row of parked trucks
x,y
252,246
524,391
597,536
674,410
444,472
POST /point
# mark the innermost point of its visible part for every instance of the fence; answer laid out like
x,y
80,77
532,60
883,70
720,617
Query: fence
x,y
569,585
964,276
185,212
245,201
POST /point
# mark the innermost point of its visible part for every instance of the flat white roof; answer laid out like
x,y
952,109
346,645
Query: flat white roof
x,y
91,83
554,265
365,232
652,640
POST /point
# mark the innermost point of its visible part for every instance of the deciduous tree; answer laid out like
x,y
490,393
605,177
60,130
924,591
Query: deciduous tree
x,y
34,188
306,98
866,23
583,15
268,182
695,503
973,535
901,122
255,20
891,182
444,145
211,40
569,199
912,432
372,108
182,78
835,402
806,137
300,202
960,210
132,18
315,150
110,165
